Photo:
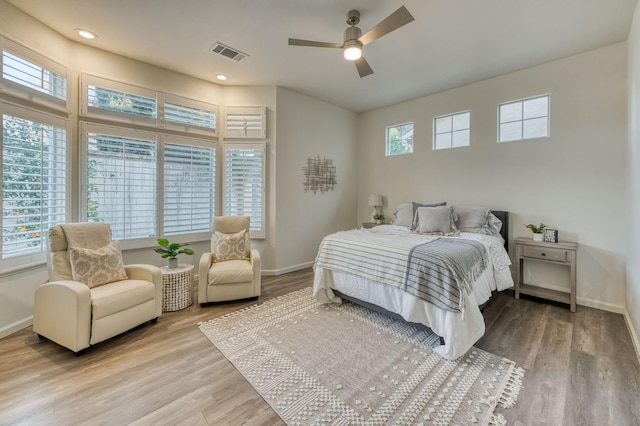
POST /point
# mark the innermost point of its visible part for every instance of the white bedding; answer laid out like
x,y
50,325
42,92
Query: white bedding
x,y
460,331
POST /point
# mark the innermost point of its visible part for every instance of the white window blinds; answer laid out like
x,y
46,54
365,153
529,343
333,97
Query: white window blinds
x,y
31,76
190,115
244,183
34,179
121,182
118,101
245,122
189,188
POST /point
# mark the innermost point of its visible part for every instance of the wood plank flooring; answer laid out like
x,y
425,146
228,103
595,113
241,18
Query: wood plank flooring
x,y
581,369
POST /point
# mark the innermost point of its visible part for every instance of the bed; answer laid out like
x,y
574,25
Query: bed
x,y
377,267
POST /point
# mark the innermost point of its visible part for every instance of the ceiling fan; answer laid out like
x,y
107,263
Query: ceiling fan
x,y
354,40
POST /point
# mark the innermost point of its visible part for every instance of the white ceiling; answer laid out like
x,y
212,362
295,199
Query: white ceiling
x,y
450,43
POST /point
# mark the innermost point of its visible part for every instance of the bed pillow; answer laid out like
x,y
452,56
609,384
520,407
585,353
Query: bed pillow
x,y
415,206
436,220
97,267
478,220
403,215
231,246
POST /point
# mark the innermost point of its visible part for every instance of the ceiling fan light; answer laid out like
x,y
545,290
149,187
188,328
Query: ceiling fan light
x,y
352,51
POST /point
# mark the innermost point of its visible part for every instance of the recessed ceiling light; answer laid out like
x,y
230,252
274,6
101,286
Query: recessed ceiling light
x,y
221,77
86,34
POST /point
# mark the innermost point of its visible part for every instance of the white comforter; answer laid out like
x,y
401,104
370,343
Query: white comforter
x,y
460,331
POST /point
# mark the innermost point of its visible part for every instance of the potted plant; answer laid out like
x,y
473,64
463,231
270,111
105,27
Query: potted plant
x,y
170,251
378,217
537,231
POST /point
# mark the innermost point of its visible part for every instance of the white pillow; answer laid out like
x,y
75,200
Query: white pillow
x,y
404,215
436,220
97,267
231,246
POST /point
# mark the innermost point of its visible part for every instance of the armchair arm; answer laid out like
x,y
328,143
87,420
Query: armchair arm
x,y
62,313
257,271
203,276
148,273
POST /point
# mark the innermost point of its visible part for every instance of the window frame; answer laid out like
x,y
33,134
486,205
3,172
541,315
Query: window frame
x,y
386,137
255,234
31,114
191,103
452,131
25,92
522,119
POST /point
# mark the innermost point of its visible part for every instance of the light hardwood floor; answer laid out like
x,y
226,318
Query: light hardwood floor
x,y
581,369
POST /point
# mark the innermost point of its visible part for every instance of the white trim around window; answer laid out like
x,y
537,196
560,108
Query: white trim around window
x,y
452,130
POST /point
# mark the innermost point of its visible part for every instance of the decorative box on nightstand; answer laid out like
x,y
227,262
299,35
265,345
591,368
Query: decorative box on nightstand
x,y
562,253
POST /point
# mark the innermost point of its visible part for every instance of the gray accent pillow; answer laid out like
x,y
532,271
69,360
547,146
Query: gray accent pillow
x,y
478,220
436,220
415,206
403,215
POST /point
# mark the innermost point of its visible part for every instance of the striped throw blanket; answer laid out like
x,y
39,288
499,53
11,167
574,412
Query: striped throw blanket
x,y
442,271
402,260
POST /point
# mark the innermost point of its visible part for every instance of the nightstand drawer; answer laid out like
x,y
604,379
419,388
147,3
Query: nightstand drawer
x,y
553,254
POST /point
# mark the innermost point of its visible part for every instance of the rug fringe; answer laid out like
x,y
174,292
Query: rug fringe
x,y
497,420
511,391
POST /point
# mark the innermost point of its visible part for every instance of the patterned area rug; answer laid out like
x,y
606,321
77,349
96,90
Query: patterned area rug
x,y
345,364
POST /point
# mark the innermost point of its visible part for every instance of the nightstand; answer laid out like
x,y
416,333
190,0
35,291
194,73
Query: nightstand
x,y
562,253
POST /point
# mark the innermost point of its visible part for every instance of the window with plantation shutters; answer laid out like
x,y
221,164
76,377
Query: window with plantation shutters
x,y
245,122
189,115
29,75
244,183
34,182
189,187
121,180
102,98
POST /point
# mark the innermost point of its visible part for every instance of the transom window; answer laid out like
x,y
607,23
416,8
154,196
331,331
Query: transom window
x,y
451,131
523,119
399,139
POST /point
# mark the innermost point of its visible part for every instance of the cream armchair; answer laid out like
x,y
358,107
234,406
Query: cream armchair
x,y
76,314
232,270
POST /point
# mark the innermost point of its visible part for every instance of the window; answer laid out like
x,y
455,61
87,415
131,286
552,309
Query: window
x,y
146,184
189,115
451,131
189,187
245,122
102,98
31,76
121,181
399,139
34,182
523,119
244,183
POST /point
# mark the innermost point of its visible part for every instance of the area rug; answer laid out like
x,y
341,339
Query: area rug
x,y
344,364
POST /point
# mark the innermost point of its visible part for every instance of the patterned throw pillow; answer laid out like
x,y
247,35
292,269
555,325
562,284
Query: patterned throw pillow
x,y
97,267
231,246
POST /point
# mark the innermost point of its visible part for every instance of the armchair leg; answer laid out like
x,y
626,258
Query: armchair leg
x,y
80,352
154,320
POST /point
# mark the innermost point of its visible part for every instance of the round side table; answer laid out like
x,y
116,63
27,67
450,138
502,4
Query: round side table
x,y
177,287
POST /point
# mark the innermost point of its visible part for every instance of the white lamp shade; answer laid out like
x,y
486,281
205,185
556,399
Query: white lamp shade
x,y
375,200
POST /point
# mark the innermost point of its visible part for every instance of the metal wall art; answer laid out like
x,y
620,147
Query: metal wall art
x,y
319,175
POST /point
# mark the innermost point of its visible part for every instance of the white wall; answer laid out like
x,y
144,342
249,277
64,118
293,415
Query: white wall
x,y
633,158
307,128
574,181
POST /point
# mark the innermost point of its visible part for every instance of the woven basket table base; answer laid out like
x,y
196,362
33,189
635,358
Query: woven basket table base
x,y
177,287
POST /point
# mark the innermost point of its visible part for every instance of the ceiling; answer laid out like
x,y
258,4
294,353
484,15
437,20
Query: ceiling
x,y
450,43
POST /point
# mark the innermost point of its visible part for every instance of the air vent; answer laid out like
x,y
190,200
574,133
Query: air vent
x,y
228,52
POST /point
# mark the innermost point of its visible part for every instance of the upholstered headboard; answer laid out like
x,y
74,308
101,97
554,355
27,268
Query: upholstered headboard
x,y
504,217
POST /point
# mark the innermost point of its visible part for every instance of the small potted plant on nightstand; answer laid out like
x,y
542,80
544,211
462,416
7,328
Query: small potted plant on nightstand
x,y
171,251
378,217
537,231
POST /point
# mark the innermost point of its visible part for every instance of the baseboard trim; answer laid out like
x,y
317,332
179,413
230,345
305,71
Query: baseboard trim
x,y
273,272
634,335
16,326
600,305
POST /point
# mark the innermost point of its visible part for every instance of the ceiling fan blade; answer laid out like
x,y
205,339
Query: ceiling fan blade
x,y
363,67
392,22
298,42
